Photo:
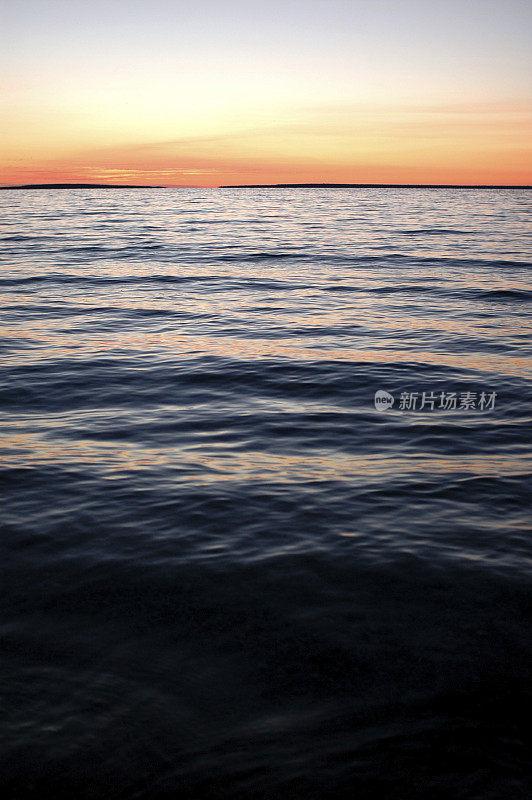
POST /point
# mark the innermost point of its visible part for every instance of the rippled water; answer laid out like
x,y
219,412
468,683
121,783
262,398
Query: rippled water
x,y
226,573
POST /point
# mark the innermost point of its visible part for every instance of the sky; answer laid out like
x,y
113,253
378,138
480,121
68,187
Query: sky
x,y
207,93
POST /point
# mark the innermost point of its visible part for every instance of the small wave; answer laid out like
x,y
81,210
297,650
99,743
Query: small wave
x,y
431,232
265,256
519,295
20,238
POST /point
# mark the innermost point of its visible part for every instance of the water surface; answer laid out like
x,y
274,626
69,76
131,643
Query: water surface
x,y
226,573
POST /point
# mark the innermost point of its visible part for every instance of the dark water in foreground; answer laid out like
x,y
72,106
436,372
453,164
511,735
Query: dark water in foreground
x,y
225,573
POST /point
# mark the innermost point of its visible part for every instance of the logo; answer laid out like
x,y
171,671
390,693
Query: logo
x,y
383,400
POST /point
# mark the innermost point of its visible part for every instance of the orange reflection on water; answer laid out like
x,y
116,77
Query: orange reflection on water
x,y
213,462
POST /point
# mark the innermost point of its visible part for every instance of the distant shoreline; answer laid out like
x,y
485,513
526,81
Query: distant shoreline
x,y
268,186
367,186
82,186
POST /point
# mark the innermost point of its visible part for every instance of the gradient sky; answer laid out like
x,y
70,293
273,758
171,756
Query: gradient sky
x,y
206,93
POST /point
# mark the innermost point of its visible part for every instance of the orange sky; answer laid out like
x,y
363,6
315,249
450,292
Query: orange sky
x,y
298,91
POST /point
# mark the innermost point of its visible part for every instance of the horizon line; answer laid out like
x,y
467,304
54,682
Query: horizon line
x,y
267,186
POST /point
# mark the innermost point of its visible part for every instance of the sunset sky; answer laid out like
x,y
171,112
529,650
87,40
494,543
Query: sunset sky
x,y
207,93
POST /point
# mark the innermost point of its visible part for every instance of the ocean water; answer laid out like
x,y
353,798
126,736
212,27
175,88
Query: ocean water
x,y
226,572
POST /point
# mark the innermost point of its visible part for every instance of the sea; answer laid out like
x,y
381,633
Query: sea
x,y
265,460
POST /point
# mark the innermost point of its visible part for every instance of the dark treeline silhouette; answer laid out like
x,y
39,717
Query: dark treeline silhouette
x,y
81,186
366,186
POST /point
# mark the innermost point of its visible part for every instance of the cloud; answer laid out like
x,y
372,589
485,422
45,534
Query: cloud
x,y
481,142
